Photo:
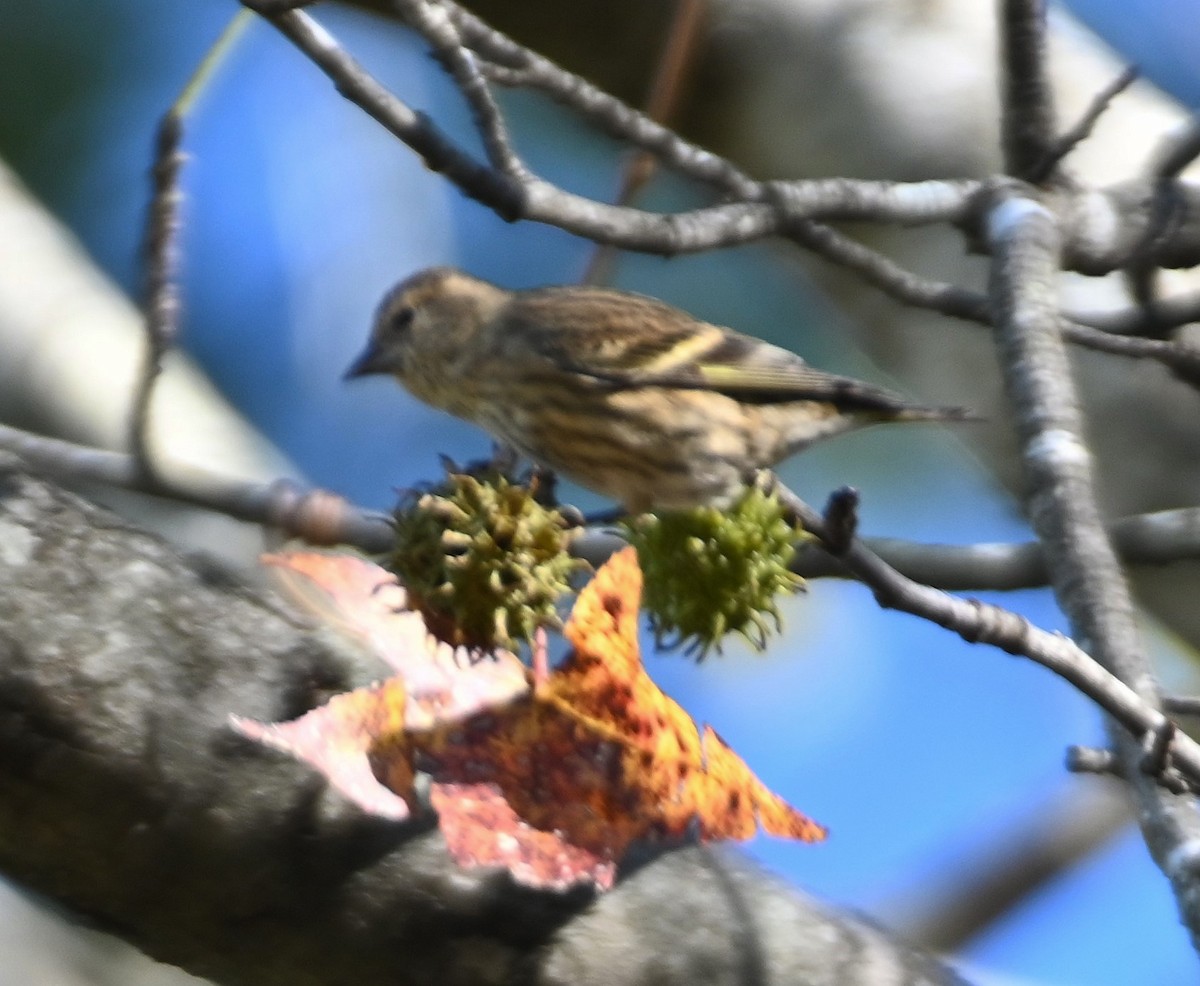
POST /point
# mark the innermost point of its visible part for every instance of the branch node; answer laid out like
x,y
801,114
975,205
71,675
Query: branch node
x,y
316,516
1183,705
1093,760
1156,748
1080,132
1178,153
841,519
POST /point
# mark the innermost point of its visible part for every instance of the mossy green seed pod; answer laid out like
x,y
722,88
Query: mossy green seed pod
x,y
483,560
713,572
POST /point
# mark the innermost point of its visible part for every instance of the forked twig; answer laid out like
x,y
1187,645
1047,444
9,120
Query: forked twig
x,y
1068,141
980,622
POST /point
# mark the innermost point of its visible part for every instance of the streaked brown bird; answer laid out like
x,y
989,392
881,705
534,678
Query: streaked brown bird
x,y
624,394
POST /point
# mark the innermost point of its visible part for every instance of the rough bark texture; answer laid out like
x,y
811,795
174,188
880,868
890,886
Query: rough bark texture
x,y
124,795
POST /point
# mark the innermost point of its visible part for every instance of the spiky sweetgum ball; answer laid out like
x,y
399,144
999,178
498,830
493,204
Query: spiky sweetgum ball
x,y
484,561
710,572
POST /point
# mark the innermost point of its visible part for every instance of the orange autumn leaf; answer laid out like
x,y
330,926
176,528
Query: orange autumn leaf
x,y
337,738
553,783
600,754
697,776
482,829
435,682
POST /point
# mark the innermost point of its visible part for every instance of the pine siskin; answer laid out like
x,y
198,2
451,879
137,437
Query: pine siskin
x,y
626,395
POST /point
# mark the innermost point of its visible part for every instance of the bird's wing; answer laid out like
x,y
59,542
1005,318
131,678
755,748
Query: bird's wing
x,y
641,342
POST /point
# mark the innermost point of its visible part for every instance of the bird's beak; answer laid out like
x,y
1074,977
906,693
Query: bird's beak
x,y
369,361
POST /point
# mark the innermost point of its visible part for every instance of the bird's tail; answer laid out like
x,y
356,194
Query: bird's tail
x,y
923,413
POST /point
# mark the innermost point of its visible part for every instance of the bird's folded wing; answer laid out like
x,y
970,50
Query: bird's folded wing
x,y
642,342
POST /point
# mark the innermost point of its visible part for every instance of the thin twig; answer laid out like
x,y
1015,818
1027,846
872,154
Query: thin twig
x,y
678,54
1142,273
1178,153
1146,539
161,304
314,515
955,301
1093,760
501,192
1106,763
883,273
1068,141
986,880
1181,359
519,65
1171,313
1184,705
163,227
433,23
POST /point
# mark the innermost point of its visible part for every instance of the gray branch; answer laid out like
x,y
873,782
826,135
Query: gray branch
x,y
322,517
1104,229
124,796
1082,564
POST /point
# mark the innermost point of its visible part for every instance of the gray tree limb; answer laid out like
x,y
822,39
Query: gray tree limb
x,y
1084,571
124,796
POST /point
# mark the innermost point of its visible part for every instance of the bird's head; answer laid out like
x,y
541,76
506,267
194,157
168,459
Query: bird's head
x,y
427,328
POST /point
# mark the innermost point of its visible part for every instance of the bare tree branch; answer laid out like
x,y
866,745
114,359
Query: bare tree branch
x,y
161,249
1102,233
1082,129
1178,153
1083,567
161,302
671,76
988,879
513,64
1169,313
1027,119
435,25
1091,331
323,517
980,622
317,516
1185,705
1148,539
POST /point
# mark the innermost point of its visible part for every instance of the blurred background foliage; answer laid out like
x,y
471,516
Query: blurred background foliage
x,y
921,753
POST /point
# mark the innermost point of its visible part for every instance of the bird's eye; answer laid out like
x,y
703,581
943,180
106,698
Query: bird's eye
x,y
401,319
